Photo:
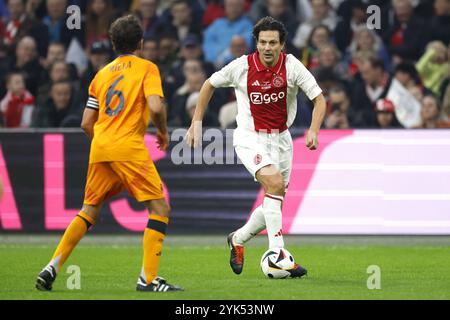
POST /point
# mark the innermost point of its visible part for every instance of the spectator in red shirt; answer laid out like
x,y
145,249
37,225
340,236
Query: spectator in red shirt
x,y
17,106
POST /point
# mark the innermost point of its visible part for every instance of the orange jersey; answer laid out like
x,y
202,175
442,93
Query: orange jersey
x,y
119,92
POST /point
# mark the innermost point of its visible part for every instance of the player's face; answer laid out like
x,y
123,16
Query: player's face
x,y
269,47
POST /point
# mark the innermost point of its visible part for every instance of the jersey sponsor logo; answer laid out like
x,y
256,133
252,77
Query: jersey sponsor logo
x,y
260,98
255,84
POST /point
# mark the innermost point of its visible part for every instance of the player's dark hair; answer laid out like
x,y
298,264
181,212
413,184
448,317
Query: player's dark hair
x,y
269,24
126,34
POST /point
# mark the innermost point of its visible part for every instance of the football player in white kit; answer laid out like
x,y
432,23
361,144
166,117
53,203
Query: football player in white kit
x,y
266,85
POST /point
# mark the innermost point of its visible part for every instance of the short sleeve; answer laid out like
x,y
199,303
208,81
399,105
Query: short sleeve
x,y
92,102
152,82
304,79
226,77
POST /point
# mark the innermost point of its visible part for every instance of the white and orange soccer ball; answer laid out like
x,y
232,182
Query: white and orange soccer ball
x,y
275,263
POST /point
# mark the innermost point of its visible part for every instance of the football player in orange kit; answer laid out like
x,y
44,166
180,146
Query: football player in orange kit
x,y
123,97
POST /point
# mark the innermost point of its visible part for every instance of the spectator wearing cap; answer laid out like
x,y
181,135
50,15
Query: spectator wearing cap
x,y
434,66
219,34
385,115
21,24
99,56
18,105
195,76
191,49
62,108
181,21
405,37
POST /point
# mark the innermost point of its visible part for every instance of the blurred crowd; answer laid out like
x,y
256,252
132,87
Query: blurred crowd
x,y
396,75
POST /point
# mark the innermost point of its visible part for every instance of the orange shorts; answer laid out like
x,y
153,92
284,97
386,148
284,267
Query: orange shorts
x,y
106,179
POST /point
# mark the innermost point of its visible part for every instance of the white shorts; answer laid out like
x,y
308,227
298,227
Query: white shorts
x,y
257,150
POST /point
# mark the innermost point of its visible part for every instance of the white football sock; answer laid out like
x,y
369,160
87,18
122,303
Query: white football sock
x,y
272,214
54,263
255,224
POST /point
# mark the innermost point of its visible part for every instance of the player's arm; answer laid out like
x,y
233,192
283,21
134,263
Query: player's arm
x,y
225,77
193,135
316,122
90,117
158,115
90,114
205,95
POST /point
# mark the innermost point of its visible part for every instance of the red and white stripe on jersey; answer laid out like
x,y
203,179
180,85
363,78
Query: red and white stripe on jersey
x,y
92,103
267,94
258,90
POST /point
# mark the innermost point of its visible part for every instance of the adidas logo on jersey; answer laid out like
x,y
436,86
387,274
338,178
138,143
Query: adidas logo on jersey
x,y
256,84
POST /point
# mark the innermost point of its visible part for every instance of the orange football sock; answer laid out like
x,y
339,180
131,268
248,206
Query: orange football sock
x,y
73,234
153,242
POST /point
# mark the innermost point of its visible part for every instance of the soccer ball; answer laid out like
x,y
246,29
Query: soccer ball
x,y
276,262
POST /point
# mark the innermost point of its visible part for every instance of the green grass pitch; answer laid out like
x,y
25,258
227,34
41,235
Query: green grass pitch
x,y
411,268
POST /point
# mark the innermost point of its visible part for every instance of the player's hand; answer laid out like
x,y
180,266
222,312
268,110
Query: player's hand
x,y
312,142
193,136
162,140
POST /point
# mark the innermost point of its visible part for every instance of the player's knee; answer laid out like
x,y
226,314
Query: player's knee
x,y
92,212
276,185
158,207
167,209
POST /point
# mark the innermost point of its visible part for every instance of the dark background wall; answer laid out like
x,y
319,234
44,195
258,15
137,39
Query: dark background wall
x,y
204,198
